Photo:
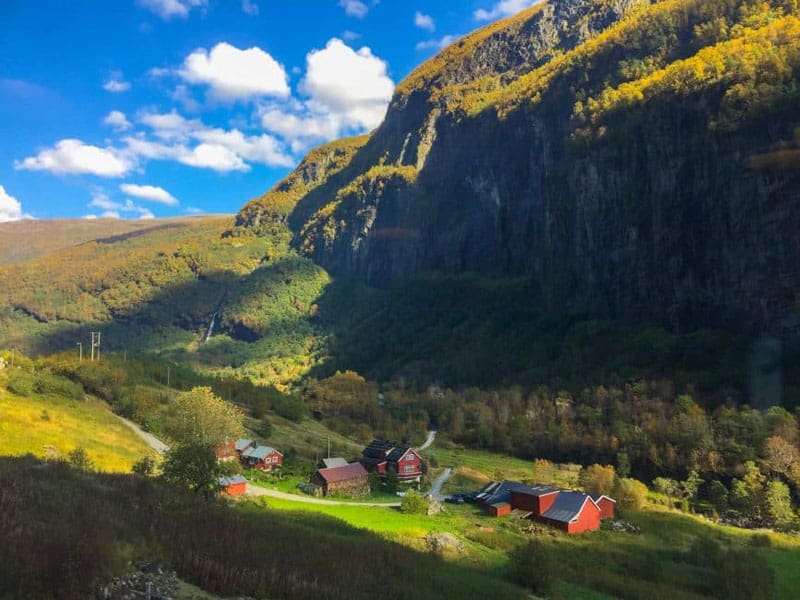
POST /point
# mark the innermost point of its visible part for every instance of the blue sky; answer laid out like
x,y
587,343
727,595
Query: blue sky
x,y
141,108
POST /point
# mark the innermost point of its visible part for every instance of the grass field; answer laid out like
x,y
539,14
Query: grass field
x,y
29,425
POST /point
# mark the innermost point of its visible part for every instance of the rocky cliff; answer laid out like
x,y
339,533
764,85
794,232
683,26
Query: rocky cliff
x,y
638,159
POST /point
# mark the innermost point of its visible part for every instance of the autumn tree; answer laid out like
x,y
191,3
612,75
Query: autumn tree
x,y
597,479
201,418
630,493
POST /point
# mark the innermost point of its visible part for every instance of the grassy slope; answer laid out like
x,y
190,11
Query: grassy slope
x,y
109,444
597,565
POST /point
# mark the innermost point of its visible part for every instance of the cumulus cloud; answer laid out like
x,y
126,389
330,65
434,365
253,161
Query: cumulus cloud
x,y
214,148
10,207
113,209
249,8
169,9
72,156
504,8
438,44
234,74
354,8
424,21
347,91
116,83
117,121
149,192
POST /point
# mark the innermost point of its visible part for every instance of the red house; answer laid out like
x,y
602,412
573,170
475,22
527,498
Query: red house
x,y
381,456
265,458
233,486
226,451
570,511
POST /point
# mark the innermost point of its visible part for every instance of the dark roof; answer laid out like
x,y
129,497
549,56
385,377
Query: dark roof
x,y
345,473
538,490
373,461
567,506
226,481
500,491
333,462
397,453
378,449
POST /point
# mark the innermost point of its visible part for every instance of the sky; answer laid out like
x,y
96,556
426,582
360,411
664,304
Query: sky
x,y
157,108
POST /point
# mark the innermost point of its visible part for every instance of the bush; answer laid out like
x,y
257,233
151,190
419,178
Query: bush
x,y
144,467
533,566
414,502
79,459
630,493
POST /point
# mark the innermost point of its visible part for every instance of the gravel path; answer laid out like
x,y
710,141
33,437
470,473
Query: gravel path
x,y
255,490
436,488
429,441
152,441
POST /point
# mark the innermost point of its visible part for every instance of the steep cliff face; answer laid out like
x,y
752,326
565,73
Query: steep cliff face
x,y
638,160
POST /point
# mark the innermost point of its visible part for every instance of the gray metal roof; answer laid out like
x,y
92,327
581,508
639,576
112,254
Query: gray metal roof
x,y
259,452
500,491
226,481
566,507
242,444
331,463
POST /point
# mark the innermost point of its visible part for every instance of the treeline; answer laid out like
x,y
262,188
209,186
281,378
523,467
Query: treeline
x,y
646,428
66,532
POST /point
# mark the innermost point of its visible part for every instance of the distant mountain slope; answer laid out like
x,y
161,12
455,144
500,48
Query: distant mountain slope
x,y
637,159
22,240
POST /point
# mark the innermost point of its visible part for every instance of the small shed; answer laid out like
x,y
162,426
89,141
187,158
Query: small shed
x,y
235,485
606,505
499,509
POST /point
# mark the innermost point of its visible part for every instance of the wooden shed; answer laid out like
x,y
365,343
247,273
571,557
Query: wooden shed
x,y
351,479
235,485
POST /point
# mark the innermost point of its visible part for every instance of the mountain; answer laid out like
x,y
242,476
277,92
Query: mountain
x,y
638,160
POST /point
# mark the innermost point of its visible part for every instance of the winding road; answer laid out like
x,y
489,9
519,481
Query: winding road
x,y
436,488
428,441
152,441
255,490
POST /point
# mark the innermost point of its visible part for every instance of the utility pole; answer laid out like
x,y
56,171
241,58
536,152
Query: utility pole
x,y
95,344
80,352
329,447
167,375
12,358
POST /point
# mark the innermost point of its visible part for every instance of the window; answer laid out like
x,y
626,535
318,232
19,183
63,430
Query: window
x,y
409,469
409,456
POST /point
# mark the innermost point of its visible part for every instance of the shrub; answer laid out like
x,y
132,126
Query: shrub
x,y
533,566
630,493
414,502
144,467
79,459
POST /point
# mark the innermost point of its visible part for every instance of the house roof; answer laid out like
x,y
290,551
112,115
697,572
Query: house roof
x,y
397,453
538,490
333,462
500,491
597,498
234,479
378,449
259,452
345,473
567,506
243,444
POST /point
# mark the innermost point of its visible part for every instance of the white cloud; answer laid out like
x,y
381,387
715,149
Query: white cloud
x,y
438,44
218,149
354,8
71,156
234,74
167,9
424,21
249,8
114,210
349,83
10,207
117,121
504,8
347,92
350,35
182,95
90,217
149,192
116,83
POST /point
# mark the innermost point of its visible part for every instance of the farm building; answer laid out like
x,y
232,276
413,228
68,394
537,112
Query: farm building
x,y
265,458
233,486
381,456
242,445
570,511
226,451
350,479
329,463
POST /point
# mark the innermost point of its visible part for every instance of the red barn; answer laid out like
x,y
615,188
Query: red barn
x,y
535,499
606,505
265,458
573,512
226,451
350,479
233,486
381,456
